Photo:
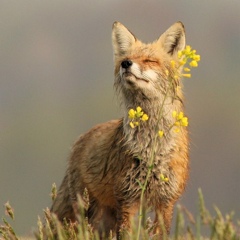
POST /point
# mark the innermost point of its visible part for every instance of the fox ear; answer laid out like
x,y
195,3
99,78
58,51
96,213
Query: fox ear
x,y
122,38
173,40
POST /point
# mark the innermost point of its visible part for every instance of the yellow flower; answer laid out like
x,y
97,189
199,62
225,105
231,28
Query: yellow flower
x,y
177,123
136,116
180,53
136,124
174,114
138,112
163,178
176,77
179,88
160,133
182,62
131,125
131,113
196,58
180,116
173,63
144,117
184,121
188,56
193,63
187,50
139,109
176,130
181,120
187,75
167,72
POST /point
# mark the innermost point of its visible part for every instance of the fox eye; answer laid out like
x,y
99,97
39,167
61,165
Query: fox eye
x,y
150,60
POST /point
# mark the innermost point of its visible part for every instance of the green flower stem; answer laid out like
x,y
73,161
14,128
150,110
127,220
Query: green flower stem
x,y
144,186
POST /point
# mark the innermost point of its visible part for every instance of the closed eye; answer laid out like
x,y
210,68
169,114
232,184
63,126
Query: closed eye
x,y
150,60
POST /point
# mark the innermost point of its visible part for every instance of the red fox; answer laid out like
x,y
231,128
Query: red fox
x,y
112,159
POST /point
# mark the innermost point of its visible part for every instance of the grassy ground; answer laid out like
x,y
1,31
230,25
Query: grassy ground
x,y
187,227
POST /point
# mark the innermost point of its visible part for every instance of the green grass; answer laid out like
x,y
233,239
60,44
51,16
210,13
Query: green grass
x,y
187,227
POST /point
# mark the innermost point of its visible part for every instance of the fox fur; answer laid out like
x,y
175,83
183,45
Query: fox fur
x,y
111,159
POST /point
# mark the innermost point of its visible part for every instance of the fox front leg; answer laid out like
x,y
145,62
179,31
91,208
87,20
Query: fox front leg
x,y
163,219
124,221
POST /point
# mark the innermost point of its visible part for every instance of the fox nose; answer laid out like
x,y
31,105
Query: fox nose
x,y
126,64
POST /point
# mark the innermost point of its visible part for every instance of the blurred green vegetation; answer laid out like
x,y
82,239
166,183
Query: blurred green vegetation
x,y
187,227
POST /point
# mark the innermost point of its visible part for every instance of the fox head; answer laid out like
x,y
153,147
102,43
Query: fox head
x,y
140,69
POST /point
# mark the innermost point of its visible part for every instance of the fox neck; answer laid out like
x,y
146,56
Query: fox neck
x,y
144,139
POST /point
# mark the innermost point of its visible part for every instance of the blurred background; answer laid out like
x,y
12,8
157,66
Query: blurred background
x,y
56,82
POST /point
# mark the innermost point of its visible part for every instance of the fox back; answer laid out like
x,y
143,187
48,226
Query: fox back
x,y
112,160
